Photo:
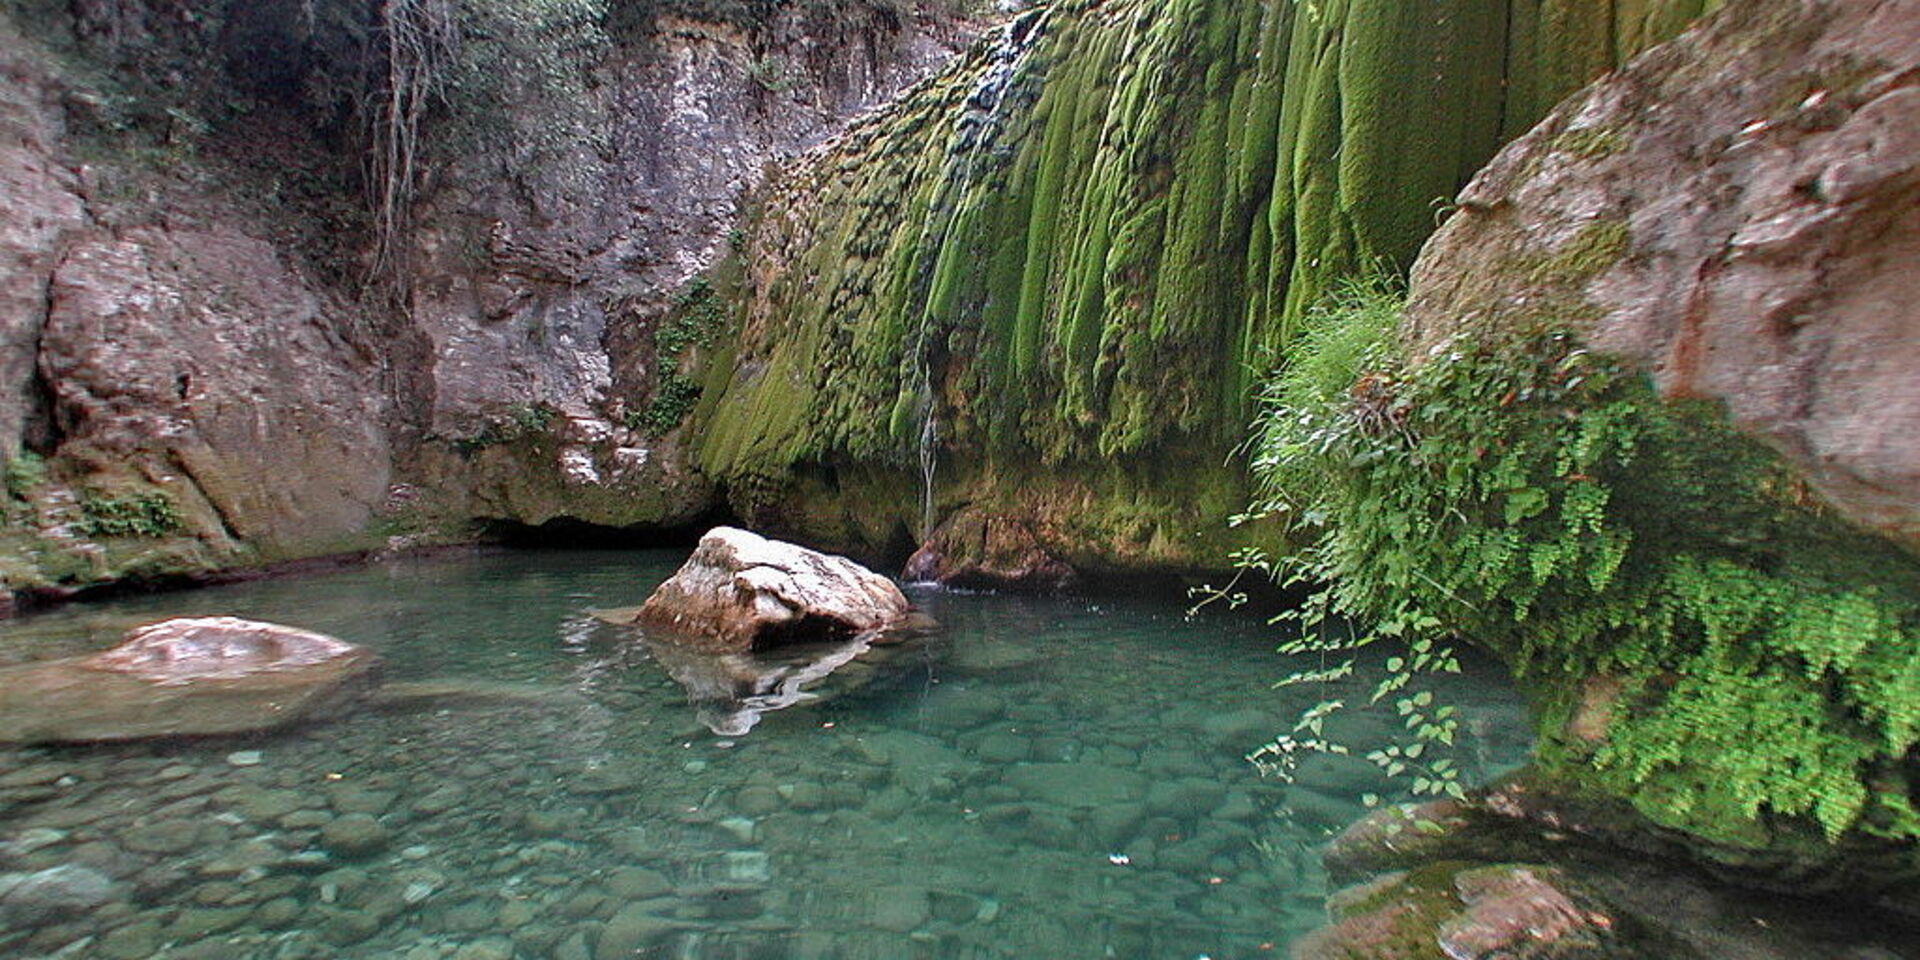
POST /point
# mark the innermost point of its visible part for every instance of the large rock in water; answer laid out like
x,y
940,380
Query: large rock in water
x,y
740,591
184,677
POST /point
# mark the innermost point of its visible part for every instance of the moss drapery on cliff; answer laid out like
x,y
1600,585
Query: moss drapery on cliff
x,y
1089,237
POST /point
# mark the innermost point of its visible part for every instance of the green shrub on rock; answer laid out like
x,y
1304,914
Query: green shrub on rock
x,y
133,515
1699,633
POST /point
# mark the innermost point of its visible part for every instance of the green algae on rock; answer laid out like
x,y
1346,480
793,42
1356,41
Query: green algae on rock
x,y
1081,244
1646,431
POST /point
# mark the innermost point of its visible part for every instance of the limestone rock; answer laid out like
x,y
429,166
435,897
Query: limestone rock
x,y
355,835
634,929
1733,212
184,677
42,206
694,130
253,399
740,591
190,330
1508,911
1521,912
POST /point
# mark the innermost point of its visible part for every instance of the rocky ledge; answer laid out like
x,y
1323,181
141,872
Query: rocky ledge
x,y
1527,870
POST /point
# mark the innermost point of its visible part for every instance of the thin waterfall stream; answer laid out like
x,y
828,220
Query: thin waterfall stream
x,y
975,132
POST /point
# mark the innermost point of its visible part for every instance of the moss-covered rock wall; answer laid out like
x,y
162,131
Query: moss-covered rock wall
x,y
1084,243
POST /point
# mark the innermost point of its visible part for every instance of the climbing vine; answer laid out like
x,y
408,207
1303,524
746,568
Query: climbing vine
x,y
1518,490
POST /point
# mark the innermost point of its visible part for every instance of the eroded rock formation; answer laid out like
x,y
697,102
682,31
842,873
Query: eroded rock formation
x,y
1054,273
1735,213
196,373
984,552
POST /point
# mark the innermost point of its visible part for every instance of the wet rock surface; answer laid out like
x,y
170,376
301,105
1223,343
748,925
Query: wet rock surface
x,y
54,894
185,677
189,325
1488,877
974,551
741,591
1507,911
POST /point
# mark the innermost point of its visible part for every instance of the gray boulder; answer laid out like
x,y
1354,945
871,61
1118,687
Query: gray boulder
x,y
36,899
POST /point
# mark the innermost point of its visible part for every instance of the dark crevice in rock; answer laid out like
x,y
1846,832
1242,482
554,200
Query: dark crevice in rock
x,y
810,629
220,510
40,429
570,533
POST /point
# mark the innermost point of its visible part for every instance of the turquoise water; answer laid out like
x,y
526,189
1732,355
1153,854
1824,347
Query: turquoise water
x,y
1043,778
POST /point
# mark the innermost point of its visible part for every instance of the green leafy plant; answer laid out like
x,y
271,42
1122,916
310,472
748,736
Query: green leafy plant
x,y
1515,489
770,73
132,515
25,471
697,316
519,422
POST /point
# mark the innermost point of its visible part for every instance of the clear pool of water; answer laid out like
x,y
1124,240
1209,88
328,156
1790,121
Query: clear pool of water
x,y
1044,778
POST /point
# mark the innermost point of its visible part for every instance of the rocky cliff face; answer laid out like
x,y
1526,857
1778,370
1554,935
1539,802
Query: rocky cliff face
x,y
201,397
1732,218
545,287
1748,242
196,377
1024,305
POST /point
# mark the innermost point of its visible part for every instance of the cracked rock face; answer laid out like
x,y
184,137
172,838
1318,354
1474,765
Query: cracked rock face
x,y
202,350
584,255
184,353
191,676
1755,182
170,333
741,591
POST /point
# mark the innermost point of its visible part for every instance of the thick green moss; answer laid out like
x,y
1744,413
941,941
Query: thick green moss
x,y
1105,221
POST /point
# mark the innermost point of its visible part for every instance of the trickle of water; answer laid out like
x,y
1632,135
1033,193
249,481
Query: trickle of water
x,y
976,130
929,466
1044,778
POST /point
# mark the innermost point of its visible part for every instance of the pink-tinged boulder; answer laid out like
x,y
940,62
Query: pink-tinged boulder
x,y
741,591
1474,912
975,550
185,677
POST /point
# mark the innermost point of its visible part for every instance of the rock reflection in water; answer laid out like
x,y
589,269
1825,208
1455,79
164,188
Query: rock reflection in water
x,y
731,691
